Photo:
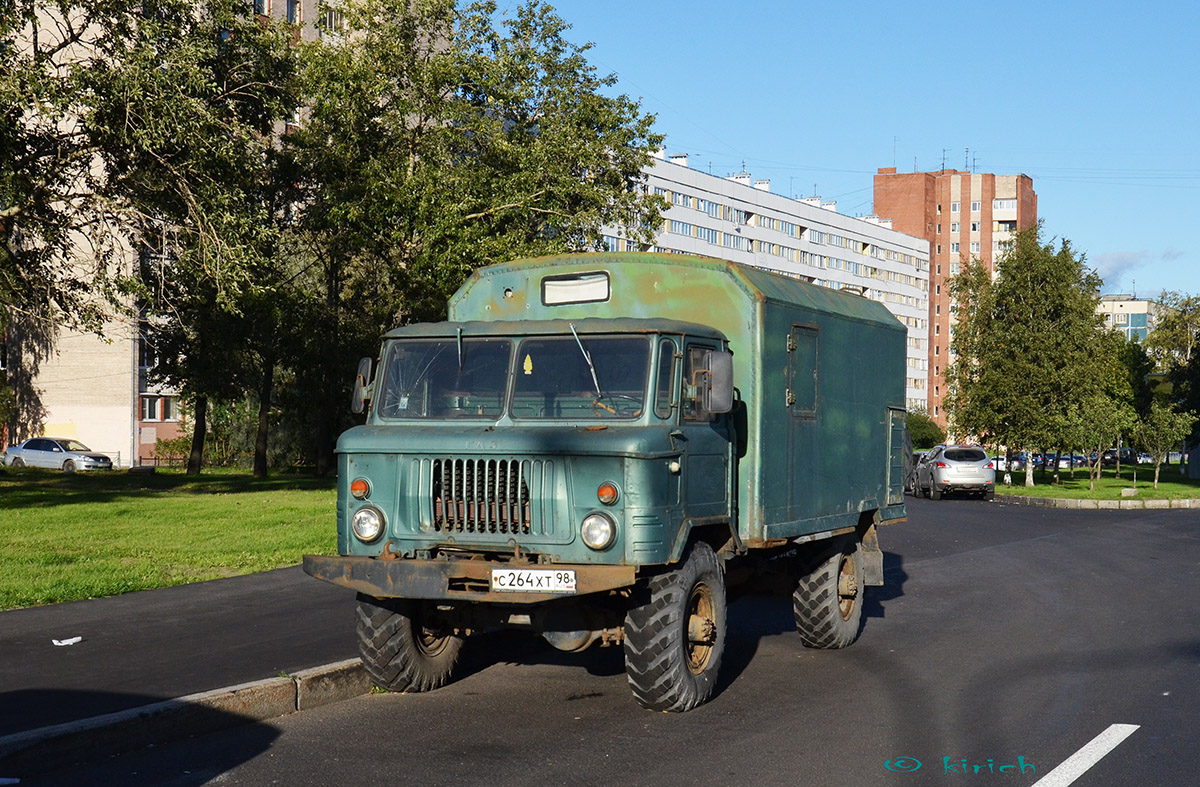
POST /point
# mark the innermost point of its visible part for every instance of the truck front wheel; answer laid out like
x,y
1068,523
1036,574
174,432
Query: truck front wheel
x,y
827,604
403,645
674,641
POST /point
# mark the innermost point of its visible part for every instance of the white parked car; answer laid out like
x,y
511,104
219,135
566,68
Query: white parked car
x,y
59,453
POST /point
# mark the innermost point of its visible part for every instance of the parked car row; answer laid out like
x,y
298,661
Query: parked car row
x,y
58,453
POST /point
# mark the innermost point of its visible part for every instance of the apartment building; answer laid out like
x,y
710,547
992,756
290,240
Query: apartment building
x,y
963,216
1128,314
739,219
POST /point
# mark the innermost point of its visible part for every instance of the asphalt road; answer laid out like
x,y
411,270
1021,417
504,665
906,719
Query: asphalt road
x,y
1006,638
141,648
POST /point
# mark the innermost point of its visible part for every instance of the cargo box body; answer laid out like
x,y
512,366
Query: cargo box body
x,y
820,373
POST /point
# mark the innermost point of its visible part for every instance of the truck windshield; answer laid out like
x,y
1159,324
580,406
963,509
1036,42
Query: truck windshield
x,y
553,379
433,379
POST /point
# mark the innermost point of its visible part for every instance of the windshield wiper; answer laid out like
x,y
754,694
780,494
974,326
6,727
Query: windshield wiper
x,y
587,358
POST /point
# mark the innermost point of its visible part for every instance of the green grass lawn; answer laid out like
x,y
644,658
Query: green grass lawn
x,y
68,537
1170,484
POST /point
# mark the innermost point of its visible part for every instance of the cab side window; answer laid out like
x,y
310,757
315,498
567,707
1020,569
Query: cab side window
x,y
692,411
664,384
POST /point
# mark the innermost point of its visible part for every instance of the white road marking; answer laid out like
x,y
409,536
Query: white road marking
x,y
1074,766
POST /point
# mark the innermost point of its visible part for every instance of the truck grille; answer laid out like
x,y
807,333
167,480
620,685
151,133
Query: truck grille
x,y
486,495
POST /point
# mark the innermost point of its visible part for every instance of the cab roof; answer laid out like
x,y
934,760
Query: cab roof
x,y
587,325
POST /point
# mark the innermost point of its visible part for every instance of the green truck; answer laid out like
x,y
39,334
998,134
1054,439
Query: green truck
x,y
600,447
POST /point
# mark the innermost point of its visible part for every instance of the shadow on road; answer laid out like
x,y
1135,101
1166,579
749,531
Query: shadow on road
x,y
894,577
752,618
153,722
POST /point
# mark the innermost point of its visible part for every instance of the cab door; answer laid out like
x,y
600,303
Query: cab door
x,y
707,445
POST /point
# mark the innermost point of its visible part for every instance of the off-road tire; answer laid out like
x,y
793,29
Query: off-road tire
x,y
827,602
400,648
672,661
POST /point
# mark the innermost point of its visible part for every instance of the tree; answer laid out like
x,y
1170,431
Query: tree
x,y
1024,346
434,142
1176,329
1161,430
56,249
923,430
187,100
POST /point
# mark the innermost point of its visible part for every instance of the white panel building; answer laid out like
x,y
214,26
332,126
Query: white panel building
x,y
740,220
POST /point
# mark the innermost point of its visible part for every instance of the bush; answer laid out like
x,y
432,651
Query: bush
x,y
924,430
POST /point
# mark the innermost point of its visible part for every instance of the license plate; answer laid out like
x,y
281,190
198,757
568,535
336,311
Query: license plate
x,y
528,580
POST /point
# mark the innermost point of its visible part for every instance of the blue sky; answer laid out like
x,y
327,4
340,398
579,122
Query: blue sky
x,y
1098,102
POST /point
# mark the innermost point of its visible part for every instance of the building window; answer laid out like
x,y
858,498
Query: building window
x,y
706,234
954,207
939,232
293,12
262,7
939,208
170,408
939,251
974,226
150,408
954,248
1004,204
333,22
974,247
976,207
954,227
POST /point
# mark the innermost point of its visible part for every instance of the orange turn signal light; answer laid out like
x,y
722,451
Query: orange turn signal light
x,y
359,488
607,493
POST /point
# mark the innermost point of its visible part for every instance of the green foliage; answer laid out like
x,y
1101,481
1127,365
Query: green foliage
x,y
1161,430
923,430
1026,347
432,140
1176,332
433,143
54,246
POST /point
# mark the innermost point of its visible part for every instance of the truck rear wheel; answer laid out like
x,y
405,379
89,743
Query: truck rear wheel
x,y
827,603
674,641
403,646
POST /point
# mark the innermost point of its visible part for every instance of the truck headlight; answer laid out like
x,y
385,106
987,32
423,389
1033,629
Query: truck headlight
x,y
367,524
599,530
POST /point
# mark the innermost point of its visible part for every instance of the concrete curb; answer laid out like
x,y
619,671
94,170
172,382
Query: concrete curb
x,y
1123,504
47,748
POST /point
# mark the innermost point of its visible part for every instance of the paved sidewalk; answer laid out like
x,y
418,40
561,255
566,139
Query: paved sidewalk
x,y
142,648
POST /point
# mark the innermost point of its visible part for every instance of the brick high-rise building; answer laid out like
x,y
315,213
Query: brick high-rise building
x,y
964,216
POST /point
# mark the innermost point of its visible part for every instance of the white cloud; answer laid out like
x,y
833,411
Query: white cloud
x,y
1114,265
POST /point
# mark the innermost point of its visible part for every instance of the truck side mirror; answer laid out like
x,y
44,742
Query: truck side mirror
x,y
362,387
716,392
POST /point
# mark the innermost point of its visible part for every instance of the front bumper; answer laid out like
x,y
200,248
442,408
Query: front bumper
x,y
458,580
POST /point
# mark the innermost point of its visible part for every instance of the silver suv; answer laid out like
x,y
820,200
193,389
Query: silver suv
x,y
955,468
